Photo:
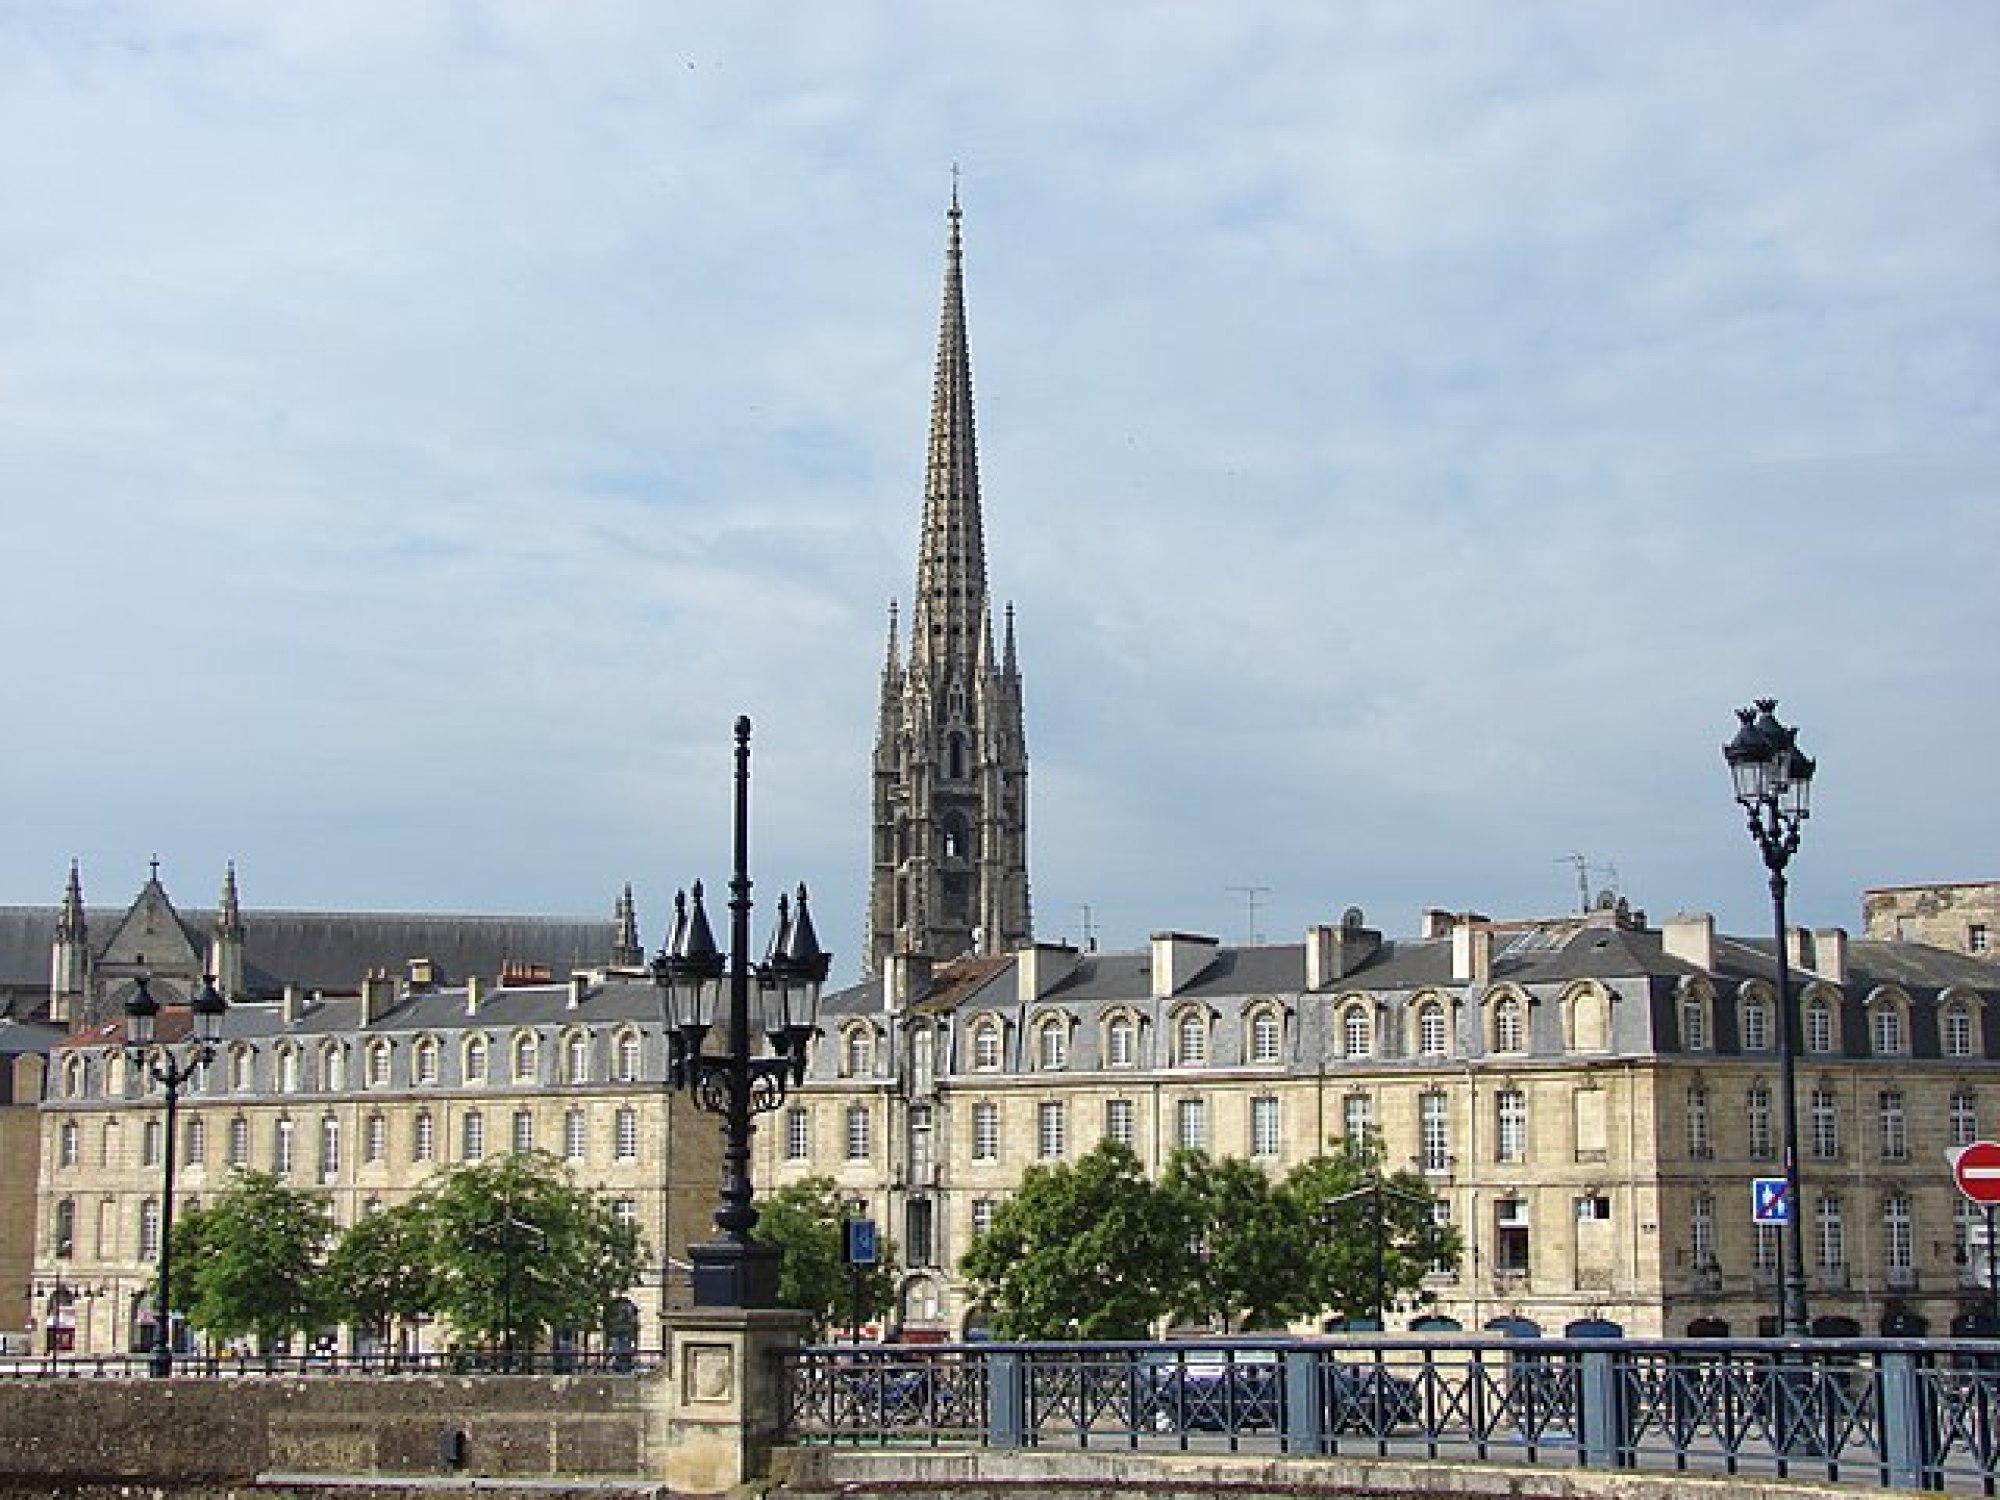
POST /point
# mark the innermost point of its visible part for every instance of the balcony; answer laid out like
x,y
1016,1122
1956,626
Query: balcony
x,y
1830,1278
1901,1278
1706,1279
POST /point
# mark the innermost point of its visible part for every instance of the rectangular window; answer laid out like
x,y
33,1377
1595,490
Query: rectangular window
x,y
1703,1233
329,1149
284,1147
1701,1140
239,1142
1977,939
1051,1130
860,1132
625,1134
576,1135
1510,1235
1895,1126
1191,1124
1757,1123
1832,1235
798,1133
196,1141
524,1132
149,1230
1264,1132
1357,1119
1511,1120
472,1136
376,1141
1898,1233
423,1139
1964,1118
1120,1122
1756,1027
1441,1217
1825,1126
985,1131
1434,1132
919,1243
982,1216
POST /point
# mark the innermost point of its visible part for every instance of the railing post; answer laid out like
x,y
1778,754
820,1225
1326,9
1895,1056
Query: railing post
x,y
1909,1434
1300,1410
1600,1418
1006,1404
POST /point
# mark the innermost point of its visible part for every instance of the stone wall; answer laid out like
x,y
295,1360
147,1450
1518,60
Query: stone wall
x,y
214,1433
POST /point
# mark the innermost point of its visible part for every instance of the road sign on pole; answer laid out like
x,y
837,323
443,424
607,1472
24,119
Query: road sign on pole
x,y
1977,1171
1770,1201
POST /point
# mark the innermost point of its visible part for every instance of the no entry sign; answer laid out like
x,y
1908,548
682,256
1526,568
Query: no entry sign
x,y
1978,1171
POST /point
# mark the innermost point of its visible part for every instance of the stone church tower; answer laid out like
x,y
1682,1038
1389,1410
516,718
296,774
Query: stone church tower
x,y
949,852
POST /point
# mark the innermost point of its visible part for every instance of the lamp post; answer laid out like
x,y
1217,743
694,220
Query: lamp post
x,y
1376,1189
1774,786
733,1270
171,1070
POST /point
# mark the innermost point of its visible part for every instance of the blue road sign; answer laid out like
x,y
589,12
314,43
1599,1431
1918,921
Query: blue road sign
x,y
860,1242
1770,1201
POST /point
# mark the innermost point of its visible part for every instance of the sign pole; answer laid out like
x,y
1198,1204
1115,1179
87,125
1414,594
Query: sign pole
x,y
1992,1277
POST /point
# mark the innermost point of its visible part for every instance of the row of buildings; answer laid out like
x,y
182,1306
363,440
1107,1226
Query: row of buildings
x,y
1590,1097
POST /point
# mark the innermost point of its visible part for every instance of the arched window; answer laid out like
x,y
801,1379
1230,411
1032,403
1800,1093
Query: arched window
x,y
241,1069
1510,1032
1433,1035
1191,1039
333,1067
576,1057
626,1057
1121,1042
1957,1029
1357,1031
858,1052
288,1070
1267,1035
527,1056
1755,1024
426,1059
1694,1022
1052,1043
1819,1025
379,1055
986,1047
475,1059
1891,1035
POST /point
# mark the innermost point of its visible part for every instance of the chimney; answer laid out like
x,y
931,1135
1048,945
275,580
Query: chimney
x,y
1830,954
579,988
1437,923
293,1005
907,980
1799,948
1471,952
1040,967
1690,937
1178,958
475,989
378,994
1333,953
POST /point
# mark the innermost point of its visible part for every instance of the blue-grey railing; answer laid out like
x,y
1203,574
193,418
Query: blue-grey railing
x,y
1903,1414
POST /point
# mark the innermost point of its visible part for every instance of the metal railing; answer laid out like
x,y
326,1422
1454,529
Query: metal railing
x,y
1905,1414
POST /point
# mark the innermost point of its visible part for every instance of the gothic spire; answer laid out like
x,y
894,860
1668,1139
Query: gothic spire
x,y
950,601
70,926
625,950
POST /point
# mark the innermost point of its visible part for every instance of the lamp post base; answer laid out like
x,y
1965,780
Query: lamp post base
x,y
734,1273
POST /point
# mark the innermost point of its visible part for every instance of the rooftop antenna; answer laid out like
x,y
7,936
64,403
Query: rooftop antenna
x,y
1089,931
1251,895
1582,879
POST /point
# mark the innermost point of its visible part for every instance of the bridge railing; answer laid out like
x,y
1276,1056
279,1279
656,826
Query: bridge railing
x,y
1904,1414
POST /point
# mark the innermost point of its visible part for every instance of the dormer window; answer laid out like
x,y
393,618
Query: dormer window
x,y
1357,1031
858,1052
1191,1039
1510,1030
986,1047
1052,1044
1121,1042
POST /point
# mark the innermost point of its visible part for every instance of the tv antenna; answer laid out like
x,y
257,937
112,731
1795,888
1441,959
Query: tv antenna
x,y
1606,898
1089,930
1251,895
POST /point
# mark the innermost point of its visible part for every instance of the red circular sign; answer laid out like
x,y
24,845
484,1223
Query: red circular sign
x,y
1978,1171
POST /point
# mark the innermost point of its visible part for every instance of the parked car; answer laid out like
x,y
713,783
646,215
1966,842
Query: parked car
x,y
1369,1398
1209,1391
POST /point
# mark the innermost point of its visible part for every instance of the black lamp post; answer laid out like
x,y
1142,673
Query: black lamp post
x,y
734,1270
1774,786
171,1070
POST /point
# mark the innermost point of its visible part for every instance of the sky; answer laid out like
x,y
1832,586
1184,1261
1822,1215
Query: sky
x,y
1408,431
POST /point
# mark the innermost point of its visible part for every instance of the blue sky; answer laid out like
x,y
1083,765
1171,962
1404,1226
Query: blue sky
x,y
1408,431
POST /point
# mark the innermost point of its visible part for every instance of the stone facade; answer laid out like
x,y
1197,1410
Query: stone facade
x,y
1964,917
1590,1098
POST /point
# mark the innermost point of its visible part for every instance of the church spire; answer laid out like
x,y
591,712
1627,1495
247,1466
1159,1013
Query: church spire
x,y
949,853
70,969
225,951
626,953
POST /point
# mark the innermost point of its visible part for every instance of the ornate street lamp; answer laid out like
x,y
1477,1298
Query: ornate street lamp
x,y
172,1070
695,978
1774,786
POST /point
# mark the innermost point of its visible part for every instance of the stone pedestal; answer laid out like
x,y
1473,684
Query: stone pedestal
x,y
724,1395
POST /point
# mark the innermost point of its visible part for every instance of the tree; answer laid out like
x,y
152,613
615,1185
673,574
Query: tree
x,y
383,1268
1088,1249
1373,1228
517,1247
252,1259
1248,1245
803,1219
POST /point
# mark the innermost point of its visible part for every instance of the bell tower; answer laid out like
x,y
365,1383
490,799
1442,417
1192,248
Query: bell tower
x,y
949,845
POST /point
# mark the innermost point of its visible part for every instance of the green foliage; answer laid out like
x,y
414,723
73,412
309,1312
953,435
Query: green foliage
x,y
1088,1249
249,1262
382,1268
803,1219
1249,1245
517,1247
1366,1219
